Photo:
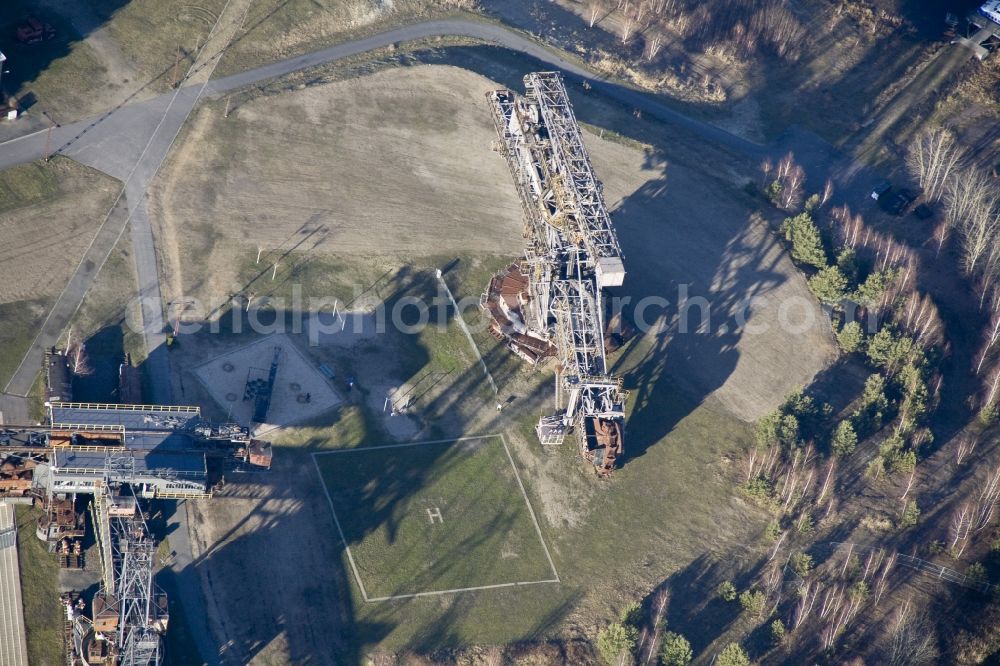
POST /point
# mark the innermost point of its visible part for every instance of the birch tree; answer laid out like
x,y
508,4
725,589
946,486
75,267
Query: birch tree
x,y
932,159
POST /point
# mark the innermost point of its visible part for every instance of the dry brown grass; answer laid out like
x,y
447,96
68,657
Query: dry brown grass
x,y
395,163
48,214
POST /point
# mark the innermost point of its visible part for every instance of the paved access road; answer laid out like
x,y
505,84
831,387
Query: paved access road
x,y
13,649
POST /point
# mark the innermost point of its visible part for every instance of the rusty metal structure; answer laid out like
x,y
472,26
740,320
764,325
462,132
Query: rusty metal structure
x,y
571,255
119,454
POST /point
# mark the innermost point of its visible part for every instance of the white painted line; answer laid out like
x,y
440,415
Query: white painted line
x,y
530,509
350,558
26,136
465,329
462,589
347,548
405,444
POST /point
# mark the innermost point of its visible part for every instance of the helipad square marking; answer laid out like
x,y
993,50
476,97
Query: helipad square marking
x,y
347,548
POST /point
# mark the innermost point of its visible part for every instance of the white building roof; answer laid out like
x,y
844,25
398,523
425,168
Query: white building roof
x,y
991,10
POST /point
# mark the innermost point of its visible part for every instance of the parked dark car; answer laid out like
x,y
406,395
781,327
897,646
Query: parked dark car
x,y
881,189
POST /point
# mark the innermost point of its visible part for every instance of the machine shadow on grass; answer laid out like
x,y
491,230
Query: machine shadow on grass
x,y
329,613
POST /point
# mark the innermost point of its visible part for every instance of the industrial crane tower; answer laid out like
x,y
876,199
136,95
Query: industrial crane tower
x,y
554,295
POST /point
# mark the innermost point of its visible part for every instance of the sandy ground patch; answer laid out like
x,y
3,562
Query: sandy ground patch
x,y
300,391
396,162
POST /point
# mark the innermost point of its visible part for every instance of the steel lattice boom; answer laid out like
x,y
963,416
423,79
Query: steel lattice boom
x,y
571,254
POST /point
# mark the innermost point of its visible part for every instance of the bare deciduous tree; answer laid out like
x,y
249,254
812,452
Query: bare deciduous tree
x,y
966,446
960,528
940,236
628,27
990,338
911,639
791,191
932,159
971,207
986,503
990,388
76,352
659,614
653,46
827,192
594,10
919,317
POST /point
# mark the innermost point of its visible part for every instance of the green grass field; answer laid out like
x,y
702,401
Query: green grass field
x,y
434,517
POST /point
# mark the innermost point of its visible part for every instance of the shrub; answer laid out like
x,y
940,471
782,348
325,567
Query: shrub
x,y
753,602
910,516
874,286
675,650
632,614
904,462
853,567
875,468
733,655
761,491
805,523
766,429
829,285
851,337
774,191
807,244
776,427
844,439
777,632
802,564
615,640
773,531
859,591
975,574
847,262
726,591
